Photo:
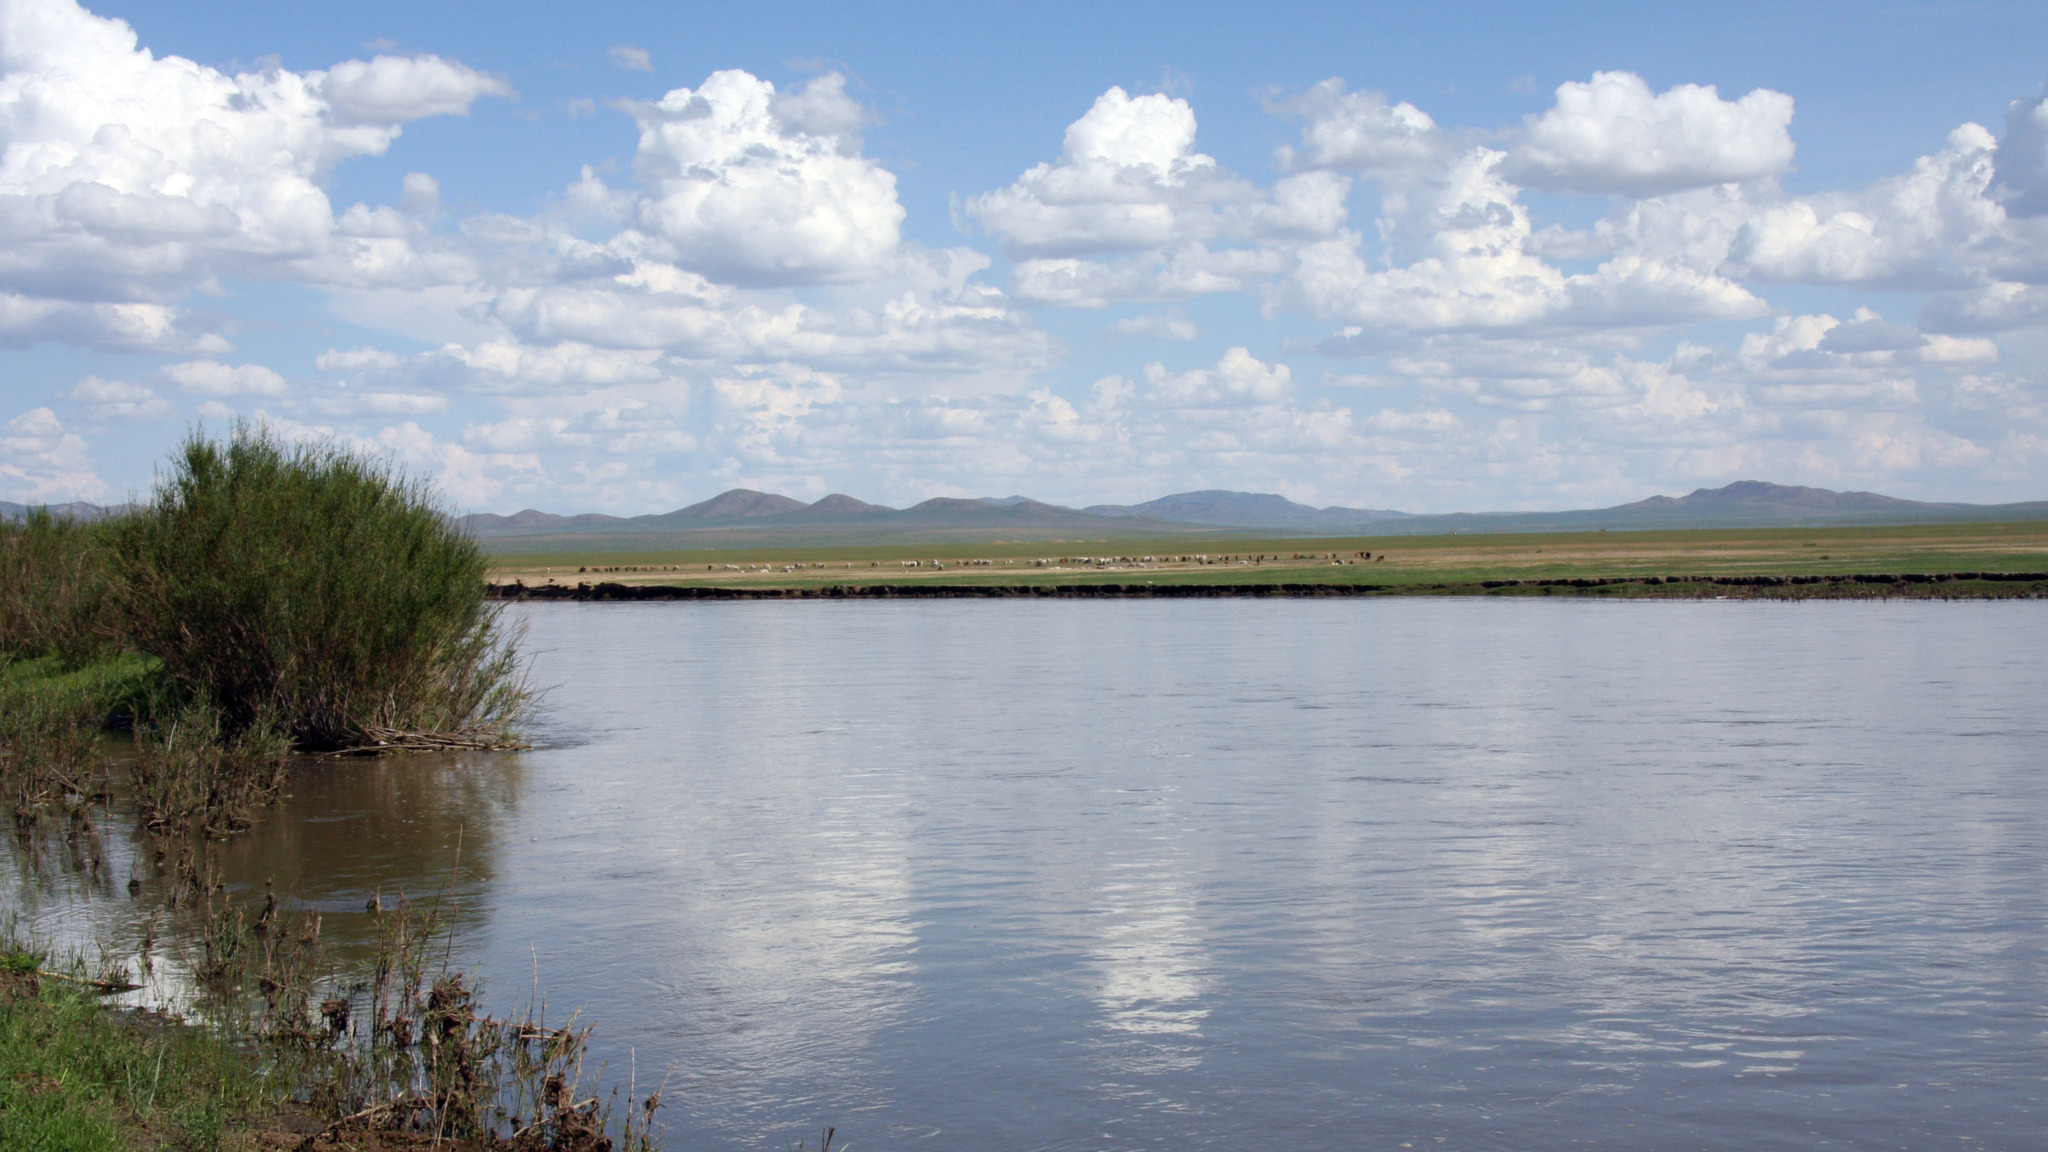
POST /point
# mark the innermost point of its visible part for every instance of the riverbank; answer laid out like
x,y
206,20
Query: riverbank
x,y
1463,564
229,1026
1856,586
271,603
77,1076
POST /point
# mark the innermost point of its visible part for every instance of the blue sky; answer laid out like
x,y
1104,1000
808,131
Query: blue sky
x,y
1422,257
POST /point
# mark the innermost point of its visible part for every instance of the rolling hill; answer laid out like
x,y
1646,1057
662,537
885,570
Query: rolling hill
x,y
1248,509
76,510
743,517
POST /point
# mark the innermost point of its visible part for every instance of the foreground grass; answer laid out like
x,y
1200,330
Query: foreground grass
x,y
398,1054
1398,561
75,1077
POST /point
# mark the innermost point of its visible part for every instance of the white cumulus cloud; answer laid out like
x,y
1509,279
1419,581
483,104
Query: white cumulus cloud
x,y
1131,211
401,89
2022,158
1613,134
119,400
1238,378
1466,261
212,378
1925,228
747,189
1129,180
41,461
1359,131
131,179
127,327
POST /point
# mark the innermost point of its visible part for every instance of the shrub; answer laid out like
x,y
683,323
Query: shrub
x,y
53,594
186,776
318,589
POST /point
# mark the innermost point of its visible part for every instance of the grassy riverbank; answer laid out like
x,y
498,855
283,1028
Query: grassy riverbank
x,y
280,1050
220,1018
300,594
269,601
1590,563
75,1077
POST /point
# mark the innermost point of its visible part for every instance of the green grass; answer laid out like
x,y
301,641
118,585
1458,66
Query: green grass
x,y
107,686
424,1060
50,715
75,1077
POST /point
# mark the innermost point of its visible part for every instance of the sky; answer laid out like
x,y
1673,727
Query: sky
x,y
620,258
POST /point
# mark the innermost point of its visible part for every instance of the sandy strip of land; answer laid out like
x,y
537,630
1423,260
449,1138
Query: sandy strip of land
x,y
1385,560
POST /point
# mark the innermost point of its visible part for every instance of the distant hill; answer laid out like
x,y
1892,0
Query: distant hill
x,y
1756,498
1246,510
1744,503
76,510
491,524
744,518
738,504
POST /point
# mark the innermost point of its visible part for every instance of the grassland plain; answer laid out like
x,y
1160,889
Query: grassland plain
x,y
1509,563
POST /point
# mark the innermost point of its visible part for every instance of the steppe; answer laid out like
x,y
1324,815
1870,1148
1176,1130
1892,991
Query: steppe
x,y
1418,564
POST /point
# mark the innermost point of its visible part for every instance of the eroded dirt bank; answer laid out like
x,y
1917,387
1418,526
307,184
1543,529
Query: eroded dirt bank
x,y
1861,586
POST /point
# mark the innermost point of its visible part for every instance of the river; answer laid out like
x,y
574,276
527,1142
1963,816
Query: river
x,y
1429,874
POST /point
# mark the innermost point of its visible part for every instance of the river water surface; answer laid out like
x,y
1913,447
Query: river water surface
x,y
1431,874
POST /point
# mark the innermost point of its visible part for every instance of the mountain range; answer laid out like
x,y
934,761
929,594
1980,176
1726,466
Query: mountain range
x,y
76,510
766,515
743,517
836,516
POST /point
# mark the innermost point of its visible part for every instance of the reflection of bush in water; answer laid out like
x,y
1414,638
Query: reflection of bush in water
x,y
418,823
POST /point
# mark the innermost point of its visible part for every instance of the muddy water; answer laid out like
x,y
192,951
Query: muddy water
x,y
1254,875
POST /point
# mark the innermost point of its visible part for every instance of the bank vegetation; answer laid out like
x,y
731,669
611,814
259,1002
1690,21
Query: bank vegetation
x,y
269,600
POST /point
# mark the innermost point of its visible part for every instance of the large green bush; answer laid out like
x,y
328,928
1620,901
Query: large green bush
x,y
53,595
315,590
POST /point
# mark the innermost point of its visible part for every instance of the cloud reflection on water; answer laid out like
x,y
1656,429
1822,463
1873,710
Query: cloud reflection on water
x,y
1273,874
